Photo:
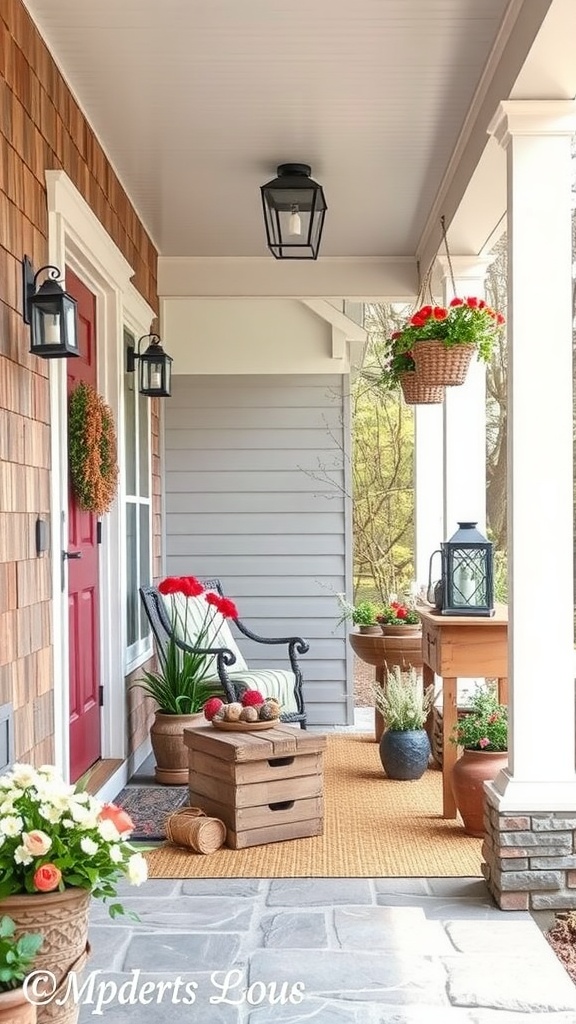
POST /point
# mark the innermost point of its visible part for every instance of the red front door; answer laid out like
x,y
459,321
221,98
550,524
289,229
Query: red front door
x,y
83,602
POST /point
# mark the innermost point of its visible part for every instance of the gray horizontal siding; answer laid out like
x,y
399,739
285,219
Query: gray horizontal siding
x,y
239,439
233,482
255,495
245,523
275,544
185,501
263,392
215,461
254,418
229,566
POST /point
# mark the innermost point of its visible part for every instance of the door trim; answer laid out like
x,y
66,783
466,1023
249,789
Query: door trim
x,y
77,239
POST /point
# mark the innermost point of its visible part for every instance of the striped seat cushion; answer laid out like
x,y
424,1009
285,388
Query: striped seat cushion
x,y
271,682
188,614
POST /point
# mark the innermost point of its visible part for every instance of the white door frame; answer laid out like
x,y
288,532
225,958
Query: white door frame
x,y
77,239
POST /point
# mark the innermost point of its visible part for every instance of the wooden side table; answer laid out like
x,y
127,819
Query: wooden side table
x,y
462,645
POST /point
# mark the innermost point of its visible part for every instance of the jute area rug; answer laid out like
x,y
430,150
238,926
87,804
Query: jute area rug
x,y
373,827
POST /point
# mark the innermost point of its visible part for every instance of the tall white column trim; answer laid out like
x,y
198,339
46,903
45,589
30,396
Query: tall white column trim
x,y
541,773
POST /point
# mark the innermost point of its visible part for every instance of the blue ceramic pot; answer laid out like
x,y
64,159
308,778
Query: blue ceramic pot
x,y
405,755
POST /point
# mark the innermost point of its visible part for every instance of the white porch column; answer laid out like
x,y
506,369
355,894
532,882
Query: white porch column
x,y
428,487
464,495
541,775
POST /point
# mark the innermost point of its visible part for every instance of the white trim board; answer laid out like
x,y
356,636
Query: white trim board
x,y
77,239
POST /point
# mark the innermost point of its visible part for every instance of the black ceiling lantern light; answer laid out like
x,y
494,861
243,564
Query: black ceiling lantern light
x,y
51,313
155,374
294,210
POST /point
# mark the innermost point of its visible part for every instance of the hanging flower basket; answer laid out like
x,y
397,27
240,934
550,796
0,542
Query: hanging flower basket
x,y
418,393
438,364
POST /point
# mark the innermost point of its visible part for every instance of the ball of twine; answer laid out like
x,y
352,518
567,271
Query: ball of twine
x,y
191,827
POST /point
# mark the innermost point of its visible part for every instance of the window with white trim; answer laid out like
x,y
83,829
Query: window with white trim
x,y
138,511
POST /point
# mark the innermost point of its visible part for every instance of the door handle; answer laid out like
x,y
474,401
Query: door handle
x,y
71,554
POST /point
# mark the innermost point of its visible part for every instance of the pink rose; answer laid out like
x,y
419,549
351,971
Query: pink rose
x,y
47,878
485,742
118,816
37,843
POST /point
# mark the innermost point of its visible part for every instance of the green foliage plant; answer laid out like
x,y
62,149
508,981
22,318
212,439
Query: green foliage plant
x,y
485,725
16,955
403,702
363,613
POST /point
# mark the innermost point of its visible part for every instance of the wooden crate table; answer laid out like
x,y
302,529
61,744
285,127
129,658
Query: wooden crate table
x,y
265,786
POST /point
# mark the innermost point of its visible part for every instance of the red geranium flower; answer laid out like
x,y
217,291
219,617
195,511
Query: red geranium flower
x,y
171,585
472,302
457,302
439,313
224,605
191,587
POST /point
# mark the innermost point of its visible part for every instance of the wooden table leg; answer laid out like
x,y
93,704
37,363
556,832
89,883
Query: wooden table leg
x,y
428,678
503,690
378,720
449,750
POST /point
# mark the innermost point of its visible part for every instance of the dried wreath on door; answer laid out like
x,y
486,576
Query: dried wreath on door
x,y
92,450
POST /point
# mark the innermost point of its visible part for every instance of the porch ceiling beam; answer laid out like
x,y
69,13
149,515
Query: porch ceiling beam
x,y
517,34
363,279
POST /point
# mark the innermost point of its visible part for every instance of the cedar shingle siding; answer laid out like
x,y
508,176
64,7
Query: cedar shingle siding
x,y
42,128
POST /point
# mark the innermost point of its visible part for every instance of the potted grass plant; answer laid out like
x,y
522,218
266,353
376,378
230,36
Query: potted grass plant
x,y
404,705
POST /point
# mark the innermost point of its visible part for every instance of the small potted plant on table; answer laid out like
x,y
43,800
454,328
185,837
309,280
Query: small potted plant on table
x,y
16,958
397,619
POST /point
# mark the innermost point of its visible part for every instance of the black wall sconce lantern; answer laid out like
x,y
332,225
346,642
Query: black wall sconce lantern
x,y
51,313
155,375
294,210
467,583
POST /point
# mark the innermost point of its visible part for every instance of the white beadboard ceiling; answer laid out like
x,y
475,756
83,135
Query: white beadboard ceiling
x,y
197,101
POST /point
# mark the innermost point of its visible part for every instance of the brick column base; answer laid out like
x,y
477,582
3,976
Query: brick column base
x,y
530,859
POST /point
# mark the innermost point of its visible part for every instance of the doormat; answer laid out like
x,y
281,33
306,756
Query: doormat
x,y
150,806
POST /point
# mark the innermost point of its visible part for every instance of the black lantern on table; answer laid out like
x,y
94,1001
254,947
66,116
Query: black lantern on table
x,y
51,313
294,211
155,376
467,583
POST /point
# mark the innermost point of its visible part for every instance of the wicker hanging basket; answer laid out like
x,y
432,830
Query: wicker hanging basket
x,y
417,393
190,827
437,364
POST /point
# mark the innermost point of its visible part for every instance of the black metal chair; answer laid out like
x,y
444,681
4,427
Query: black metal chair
x,y
233,683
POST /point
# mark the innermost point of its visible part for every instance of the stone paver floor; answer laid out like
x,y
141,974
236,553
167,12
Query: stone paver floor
x,y
326,951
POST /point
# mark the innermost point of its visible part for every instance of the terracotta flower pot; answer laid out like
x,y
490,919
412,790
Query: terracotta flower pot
x,y
470,772
167,738
62,918
394,629
15,1008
